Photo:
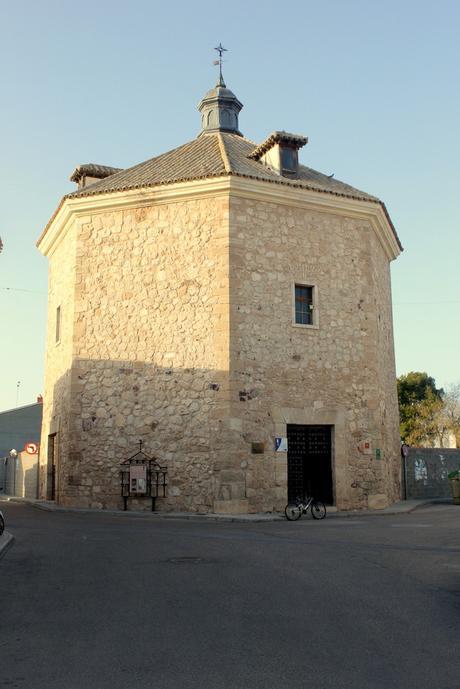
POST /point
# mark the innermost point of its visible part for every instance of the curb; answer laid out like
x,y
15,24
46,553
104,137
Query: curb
x,y
246,518
401,508
189,516
365,513
404,507
6,541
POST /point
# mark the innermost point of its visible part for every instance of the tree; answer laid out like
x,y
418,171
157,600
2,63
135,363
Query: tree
x,y
420,408
451,412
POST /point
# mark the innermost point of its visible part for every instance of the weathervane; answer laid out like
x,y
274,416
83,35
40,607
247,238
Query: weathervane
x,y
220,49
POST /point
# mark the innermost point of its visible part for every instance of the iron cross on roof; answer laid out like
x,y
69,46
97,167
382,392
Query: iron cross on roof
x,y
220,49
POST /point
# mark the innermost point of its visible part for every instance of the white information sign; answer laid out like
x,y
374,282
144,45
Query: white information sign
x,y
281,444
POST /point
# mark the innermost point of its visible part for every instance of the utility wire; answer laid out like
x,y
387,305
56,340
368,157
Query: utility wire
x,y
19,289
404,303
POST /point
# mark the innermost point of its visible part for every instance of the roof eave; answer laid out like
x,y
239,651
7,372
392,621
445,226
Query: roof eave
x,y
125,196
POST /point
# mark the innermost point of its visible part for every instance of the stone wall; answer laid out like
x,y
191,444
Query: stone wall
x,y
149,352
58,363
340,373
178,330
426,471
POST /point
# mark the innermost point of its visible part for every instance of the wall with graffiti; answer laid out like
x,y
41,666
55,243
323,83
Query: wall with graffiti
x,y
426,471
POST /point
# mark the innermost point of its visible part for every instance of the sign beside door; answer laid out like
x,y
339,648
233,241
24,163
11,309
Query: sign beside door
x,y
281,445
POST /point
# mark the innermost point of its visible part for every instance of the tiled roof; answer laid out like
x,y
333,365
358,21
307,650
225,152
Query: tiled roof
x,y
213,155
217,154
197,159
238,150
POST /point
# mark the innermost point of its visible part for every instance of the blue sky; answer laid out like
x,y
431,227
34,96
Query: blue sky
x,y
373,85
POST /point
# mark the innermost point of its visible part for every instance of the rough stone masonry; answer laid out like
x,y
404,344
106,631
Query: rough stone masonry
x,y
175,298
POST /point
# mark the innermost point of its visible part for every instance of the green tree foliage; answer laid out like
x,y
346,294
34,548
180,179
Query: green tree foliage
x,y
420,408
451,412
416,387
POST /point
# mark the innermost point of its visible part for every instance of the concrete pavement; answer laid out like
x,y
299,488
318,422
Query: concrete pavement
x,y
6,541
398,508
109,602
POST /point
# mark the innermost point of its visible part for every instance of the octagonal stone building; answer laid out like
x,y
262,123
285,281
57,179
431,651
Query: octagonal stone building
x,y
231,308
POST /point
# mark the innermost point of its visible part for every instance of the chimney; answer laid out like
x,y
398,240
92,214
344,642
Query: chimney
x,y
279,152
87,174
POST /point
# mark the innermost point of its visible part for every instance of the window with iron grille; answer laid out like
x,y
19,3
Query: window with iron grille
x,y
304,304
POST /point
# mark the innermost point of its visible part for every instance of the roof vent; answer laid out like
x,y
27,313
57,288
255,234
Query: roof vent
x,y
279,152
87,174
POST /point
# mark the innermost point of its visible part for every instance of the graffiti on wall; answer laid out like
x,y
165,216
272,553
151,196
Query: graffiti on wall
x,y
427,469
420,470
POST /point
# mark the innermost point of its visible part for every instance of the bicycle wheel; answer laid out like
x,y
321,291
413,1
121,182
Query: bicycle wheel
x,y
318,509
293,511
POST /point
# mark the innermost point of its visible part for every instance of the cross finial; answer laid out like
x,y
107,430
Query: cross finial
x,y
220,49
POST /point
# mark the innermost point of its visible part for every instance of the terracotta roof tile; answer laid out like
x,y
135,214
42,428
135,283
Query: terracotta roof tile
x,y
197,159
92,170
214,155
203,157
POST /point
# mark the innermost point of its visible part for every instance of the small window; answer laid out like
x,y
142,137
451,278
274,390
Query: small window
x,y
58,324
289,161
304,304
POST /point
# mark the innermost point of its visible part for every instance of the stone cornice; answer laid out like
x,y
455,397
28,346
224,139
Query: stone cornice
x,y
71,209
372,211
79,207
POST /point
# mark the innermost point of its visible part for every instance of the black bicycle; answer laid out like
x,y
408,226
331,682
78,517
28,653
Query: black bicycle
x,y
294,510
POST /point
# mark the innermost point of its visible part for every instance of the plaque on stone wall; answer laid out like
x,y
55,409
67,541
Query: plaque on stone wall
x,y
281,445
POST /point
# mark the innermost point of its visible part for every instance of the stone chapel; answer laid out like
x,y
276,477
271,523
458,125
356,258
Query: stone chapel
x,y
231,308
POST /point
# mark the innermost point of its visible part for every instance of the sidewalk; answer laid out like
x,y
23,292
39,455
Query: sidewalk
x,y
398,508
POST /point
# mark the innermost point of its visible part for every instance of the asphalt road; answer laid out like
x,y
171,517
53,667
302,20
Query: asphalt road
x,y
122,602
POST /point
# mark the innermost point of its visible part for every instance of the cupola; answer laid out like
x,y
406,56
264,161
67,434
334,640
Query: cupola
x,y
220,107
219,110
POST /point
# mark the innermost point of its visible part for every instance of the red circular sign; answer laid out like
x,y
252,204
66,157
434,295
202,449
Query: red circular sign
x,y
31,448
